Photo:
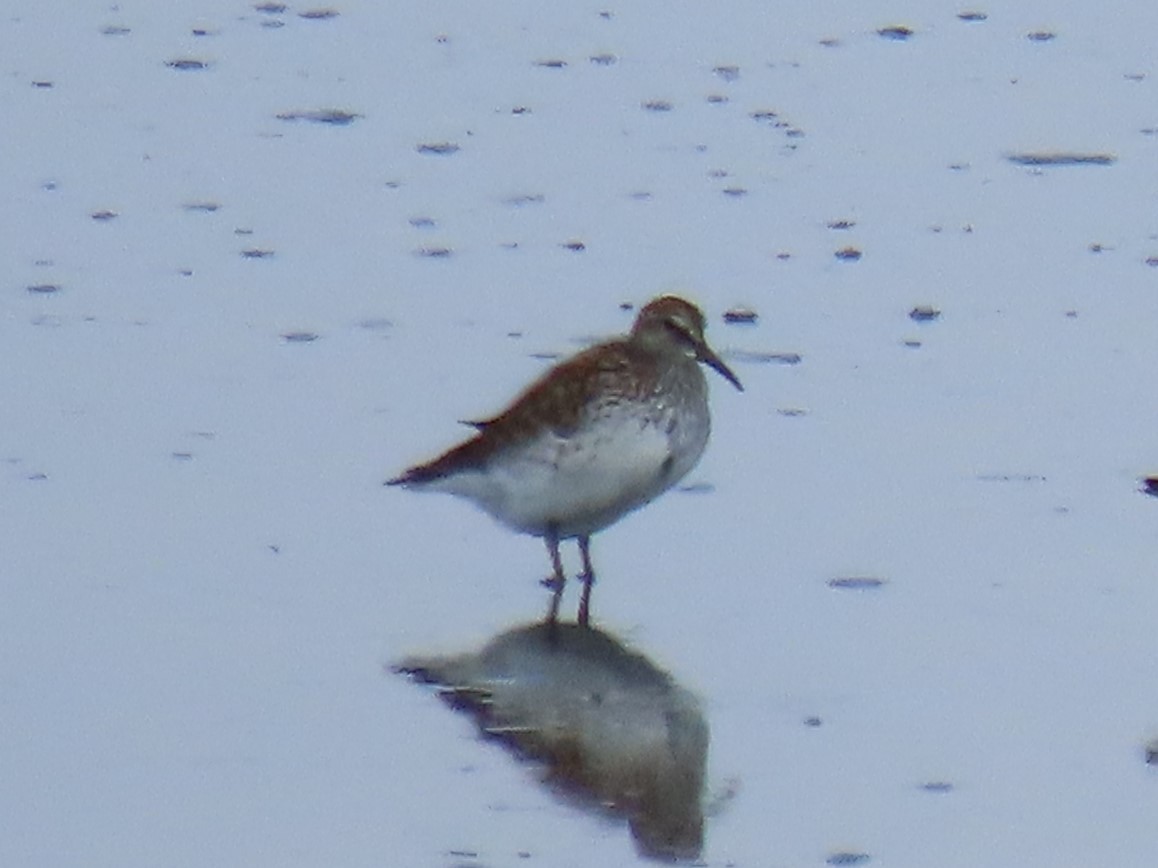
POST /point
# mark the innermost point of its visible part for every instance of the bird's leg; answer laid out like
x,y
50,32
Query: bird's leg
x,y
556,581
587,577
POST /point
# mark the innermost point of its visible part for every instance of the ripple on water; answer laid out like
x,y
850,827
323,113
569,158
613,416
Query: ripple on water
x,y
856,583
187,64
437,149
1061,158
329,116
847,857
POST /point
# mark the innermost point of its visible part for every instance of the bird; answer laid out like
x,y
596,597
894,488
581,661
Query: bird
x,y
594,438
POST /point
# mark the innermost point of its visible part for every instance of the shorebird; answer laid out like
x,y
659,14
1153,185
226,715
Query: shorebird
x,y
598,435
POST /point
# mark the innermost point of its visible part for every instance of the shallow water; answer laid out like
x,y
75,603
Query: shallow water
x,y
910,585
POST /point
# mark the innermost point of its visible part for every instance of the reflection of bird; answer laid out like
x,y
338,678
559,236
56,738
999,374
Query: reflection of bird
x,y
597,436
606,723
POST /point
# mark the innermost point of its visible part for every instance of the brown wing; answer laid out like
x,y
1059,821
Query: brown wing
x,y
557,401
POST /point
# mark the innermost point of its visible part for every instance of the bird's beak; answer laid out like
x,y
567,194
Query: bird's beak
x,y
704,354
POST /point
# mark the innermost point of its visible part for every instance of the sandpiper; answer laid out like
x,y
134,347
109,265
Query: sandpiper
x,y
597,436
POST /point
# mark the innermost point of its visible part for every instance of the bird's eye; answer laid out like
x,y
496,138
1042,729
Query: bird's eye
x,y
678,329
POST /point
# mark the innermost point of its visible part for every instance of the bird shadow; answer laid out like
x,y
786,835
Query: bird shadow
x,y
605,727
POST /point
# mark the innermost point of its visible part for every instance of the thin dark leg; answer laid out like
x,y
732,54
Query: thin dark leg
x,y
558,580
587,578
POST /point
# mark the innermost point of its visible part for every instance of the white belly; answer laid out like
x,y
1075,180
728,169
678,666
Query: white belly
x,y
582,483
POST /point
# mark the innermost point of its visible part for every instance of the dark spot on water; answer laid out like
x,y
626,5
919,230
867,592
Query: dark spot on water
x,y
727,72
551,63
830,42
640,196
115,30
845,857
765,116
201,31
521,199
1150,486
924,313
840,224
301,337
433,252
603,59
272,23
848,254
574,246
657,105
856,583
438,149
422,222
937,787
896,32
521,110
972,16
332,117
241,230
911,343
740,316
716,99
318,14
203,207
104,215
43,288
792,412
36,477
187,64
813,721
256,253
696,487
735,192
1061,158
1041,36
181,456
1152,261
270,8
42,85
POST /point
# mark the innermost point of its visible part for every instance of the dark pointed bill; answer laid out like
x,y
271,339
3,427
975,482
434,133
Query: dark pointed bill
x,y
704,354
